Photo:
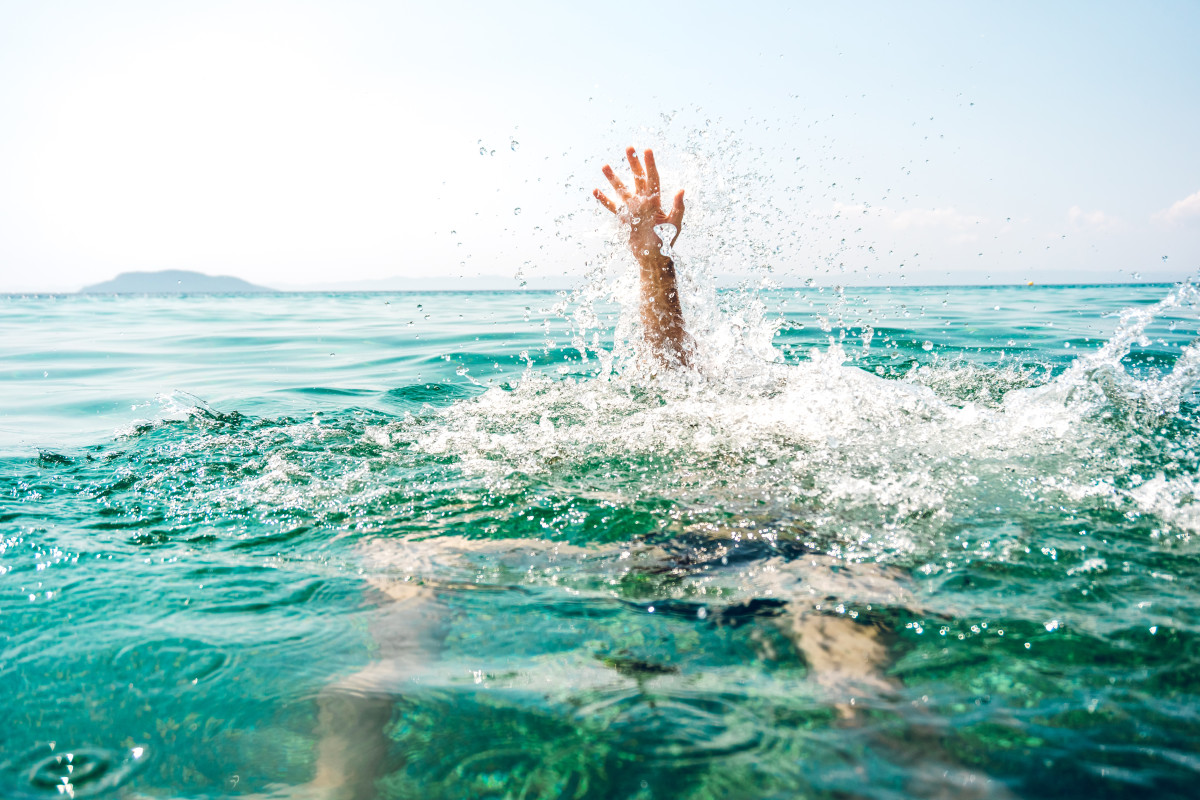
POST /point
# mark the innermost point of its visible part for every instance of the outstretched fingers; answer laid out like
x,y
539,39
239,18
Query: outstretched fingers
x,y
639,177
652,185
622,192
646,184
604,201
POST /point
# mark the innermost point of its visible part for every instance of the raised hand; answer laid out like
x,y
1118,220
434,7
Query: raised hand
x,y
662,317
643,207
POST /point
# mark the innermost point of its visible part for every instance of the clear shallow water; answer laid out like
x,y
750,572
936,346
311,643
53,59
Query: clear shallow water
x,y
943,548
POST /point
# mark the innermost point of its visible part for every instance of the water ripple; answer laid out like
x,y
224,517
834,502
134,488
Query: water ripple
x,y
51,771
676,727
162,665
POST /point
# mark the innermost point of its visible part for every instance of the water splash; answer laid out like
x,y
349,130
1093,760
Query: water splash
x,y
1098,381
877,463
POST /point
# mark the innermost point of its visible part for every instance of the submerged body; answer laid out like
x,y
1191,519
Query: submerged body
x,y
764,578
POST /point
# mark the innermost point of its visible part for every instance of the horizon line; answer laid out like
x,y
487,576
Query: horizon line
x,y
551,290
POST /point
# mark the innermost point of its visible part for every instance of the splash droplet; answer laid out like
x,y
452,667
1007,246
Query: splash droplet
x,y
514,145
927,346
517,211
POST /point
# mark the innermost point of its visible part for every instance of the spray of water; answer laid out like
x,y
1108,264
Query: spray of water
x,y
868,467
875,468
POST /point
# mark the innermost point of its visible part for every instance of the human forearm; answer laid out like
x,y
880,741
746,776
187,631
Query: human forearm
x,y
660,311
659,306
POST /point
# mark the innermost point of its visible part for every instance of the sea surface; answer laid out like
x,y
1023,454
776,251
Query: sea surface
x,y
883,543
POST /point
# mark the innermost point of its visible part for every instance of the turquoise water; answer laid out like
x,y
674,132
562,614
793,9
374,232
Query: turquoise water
x,y
893,543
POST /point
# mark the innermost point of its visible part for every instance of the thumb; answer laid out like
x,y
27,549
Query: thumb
x,y
676,215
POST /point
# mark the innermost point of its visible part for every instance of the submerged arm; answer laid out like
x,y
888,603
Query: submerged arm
x,y
662,317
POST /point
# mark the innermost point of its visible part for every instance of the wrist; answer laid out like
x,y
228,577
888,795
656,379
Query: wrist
x,y
645,243
651,256
655,269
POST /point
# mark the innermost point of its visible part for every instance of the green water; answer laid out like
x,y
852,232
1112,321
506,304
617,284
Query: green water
x,y
526,567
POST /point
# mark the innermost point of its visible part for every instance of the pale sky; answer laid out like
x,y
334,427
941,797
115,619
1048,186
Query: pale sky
x,y
307,143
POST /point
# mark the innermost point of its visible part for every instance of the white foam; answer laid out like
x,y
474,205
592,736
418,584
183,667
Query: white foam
x,y
880,463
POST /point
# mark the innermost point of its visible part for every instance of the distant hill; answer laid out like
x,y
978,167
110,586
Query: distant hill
x,y
172,281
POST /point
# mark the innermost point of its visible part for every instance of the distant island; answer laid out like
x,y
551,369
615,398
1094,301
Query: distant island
x,y
172,281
